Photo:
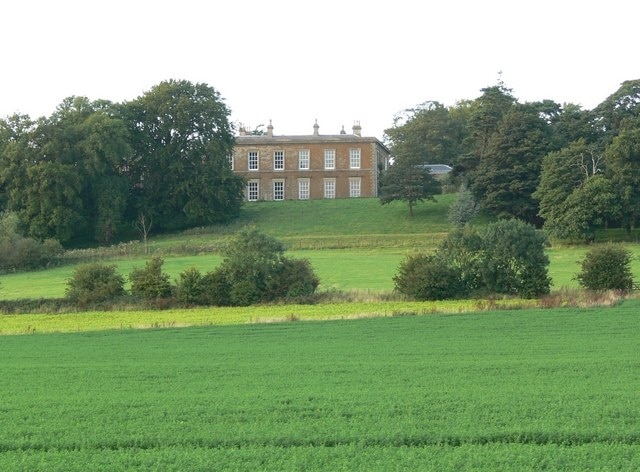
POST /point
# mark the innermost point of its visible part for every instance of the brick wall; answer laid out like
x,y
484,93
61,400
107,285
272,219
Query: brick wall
x,y
346,178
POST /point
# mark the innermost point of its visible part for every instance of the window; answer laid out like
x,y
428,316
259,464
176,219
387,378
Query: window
x,y
278,190
253,160
253,190
354,186
329,188
278,160
329,158
230,159
303,159
354,158
303,189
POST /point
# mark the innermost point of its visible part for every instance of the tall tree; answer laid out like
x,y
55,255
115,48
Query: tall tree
x,y
424,135
573,123
72,184
484,115
622,157
612,115
180,170
509,172
574,195
16,147
591,205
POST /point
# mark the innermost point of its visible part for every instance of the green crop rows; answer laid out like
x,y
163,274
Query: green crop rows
x,y
507,390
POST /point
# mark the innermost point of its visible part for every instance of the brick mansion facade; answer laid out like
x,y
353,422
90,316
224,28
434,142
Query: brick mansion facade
x,y
310,166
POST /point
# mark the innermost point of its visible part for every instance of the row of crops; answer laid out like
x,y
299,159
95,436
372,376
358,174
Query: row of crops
x,y
525,389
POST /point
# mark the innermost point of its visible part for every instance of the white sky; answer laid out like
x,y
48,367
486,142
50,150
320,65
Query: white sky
x,y
335,61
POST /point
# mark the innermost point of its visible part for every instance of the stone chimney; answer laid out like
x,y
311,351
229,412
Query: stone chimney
x,y
270,129
315,128
357,130
242,131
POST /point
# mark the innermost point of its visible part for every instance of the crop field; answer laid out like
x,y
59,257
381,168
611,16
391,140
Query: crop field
x,y
144,319
503,390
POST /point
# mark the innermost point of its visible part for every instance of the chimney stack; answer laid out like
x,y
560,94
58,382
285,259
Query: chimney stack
x,y
357,130
270,129
315,128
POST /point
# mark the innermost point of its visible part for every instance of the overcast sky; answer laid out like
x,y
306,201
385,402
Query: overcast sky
x,y
297,61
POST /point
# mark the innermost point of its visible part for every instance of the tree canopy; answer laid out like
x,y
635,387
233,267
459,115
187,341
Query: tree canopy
x,y
91,168
181,139
558,165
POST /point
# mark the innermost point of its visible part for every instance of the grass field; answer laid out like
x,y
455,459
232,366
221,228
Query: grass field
x,y
353,244
508,390
340,269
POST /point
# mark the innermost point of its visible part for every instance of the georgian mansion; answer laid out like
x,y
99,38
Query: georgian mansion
x,y
310,166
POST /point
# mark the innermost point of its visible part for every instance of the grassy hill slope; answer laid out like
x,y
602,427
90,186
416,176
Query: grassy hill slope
x,y
322,224
353,244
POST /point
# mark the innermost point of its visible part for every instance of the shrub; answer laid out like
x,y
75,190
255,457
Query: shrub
x,y
93,283
463,250
150,282
18,252
245,292
256,270
429,277
606,268
293,279
506,257
216,288
513,259
189,287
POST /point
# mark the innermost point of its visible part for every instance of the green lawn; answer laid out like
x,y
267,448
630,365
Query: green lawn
x,y
353,244
341,269
510,390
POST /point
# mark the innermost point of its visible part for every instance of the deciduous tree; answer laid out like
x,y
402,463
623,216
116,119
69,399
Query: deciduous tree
x,y
574,194
63,174
622,158
179,169
408,183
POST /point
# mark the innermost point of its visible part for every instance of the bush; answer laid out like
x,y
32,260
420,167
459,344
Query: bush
x,y
216,288
429,277
255,269
28,254
246,292
513,260
506,257
18,252
606,268
93,283
189,287
150,283
293,279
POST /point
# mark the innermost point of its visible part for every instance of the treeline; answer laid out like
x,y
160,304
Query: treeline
x,y
558,165
94,170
